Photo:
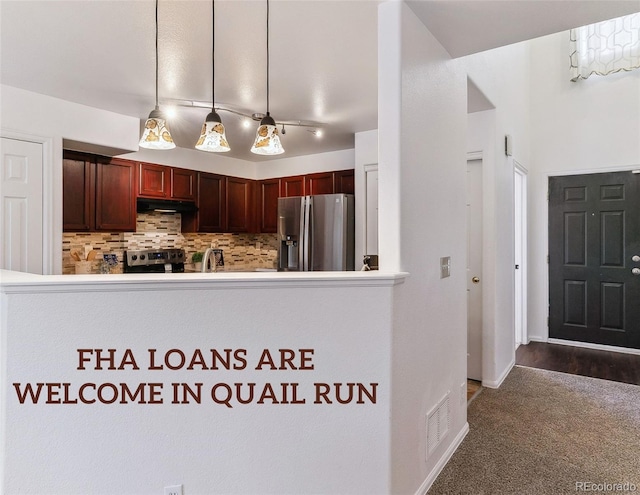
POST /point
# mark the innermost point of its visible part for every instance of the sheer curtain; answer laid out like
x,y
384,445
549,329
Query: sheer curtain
x,y
605,47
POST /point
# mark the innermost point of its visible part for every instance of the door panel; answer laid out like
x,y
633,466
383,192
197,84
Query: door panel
x,y
474,269
594,232
21,239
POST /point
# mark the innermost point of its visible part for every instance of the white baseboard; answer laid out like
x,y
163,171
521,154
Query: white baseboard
x,y
426,484
537,339
498,382
599,347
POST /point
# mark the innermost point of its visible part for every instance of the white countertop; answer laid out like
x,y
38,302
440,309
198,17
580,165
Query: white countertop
x,y
19,282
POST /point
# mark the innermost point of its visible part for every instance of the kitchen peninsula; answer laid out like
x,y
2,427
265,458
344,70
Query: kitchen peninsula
x,y
321,424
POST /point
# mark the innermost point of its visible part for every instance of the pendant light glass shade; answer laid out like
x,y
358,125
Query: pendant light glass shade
x,y
212,137
156,135
267,138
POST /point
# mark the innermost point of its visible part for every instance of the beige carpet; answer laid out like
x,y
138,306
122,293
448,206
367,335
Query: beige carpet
x,y
542,432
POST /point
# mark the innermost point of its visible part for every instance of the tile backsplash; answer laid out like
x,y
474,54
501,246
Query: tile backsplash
x,y
162,230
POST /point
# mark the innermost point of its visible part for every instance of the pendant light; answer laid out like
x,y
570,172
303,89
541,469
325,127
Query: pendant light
x,y
156,135
267,140
212,137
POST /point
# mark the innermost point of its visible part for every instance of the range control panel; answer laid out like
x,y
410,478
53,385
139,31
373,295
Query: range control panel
x,y
154,257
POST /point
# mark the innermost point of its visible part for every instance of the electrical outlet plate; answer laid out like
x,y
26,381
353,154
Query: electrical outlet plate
x,y
173,490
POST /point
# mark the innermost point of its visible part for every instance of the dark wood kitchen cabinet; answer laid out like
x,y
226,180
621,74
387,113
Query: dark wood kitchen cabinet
x,y
292,186
344,181
240,201
159,181
153,180
78,193
115,195
211,201
98,194
320,183
183,184
268,193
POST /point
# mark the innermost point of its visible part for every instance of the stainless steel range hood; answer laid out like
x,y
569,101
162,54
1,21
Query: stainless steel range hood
x,y
166,206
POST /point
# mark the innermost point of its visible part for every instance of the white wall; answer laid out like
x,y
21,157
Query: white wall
x,y
422,168
299,165
209,448
587,126
221,164
503,76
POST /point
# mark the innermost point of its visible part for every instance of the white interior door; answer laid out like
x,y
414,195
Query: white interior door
x,y
21,213
520,246
474,269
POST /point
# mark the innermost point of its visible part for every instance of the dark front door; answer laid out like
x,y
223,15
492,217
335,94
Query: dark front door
x,y
594,247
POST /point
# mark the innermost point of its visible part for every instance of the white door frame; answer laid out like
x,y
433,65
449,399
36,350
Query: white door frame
x,y
369,222
477,157
51,221
520,233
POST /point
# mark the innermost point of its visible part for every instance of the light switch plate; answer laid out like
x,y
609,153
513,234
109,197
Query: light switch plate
x,y
445,267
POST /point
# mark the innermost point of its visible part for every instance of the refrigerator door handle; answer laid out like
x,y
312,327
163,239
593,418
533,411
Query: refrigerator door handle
x,y
309,234
306,234
302,240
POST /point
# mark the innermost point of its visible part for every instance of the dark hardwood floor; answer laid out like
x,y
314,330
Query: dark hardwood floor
x,y
614,366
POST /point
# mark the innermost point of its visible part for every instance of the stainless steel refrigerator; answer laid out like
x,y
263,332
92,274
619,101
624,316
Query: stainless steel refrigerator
x,y
316,233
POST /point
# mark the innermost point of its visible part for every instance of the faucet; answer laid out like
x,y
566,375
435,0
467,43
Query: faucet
x,y
205,260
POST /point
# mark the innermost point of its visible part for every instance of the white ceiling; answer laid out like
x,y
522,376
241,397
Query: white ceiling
x,y
323,55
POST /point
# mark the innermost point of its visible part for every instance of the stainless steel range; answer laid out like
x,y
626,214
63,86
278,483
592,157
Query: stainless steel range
x,y
154,261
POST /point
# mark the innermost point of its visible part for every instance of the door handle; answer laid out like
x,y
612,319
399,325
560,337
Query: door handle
x,y
476,280
635,258
635,271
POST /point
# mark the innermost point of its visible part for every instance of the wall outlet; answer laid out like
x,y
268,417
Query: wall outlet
x,y
173,490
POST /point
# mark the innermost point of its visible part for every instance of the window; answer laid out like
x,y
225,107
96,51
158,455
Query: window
x,y
605,47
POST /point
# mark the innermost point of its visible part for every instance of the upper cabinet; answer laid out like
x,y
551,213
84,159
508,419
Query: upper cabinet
x,y
183,184
115,196
211,201
268,193
344,181
78,193
240,201
159,181
292,186
153,180
321,183
98,194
